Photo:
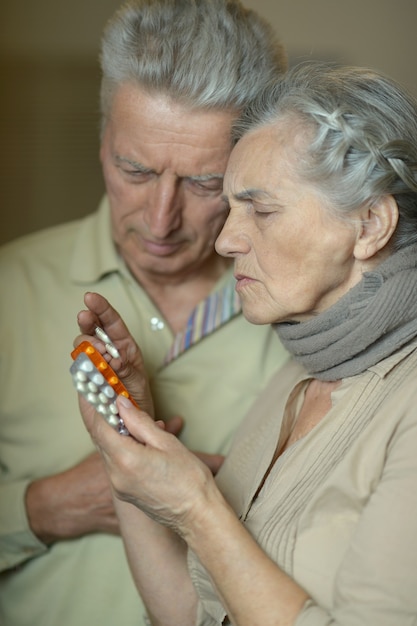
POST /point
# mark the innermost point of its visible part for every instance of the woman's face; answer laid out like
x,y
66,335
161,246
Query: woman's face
x,y
292,258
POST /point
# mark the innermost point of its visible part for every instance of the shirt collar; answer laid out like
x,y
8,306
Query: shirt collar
x,y
385,366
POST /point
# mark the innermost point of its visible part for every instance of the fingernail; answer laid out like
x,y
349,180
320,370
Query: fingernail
x,y
125,402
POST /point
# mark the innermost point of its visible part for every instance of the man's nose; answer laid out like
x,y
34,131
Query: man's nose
x,y
165,205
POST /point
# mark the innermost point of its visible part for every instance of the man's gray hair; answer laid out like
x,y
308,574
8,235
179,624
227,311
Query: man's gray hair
x,y
362,136
204,53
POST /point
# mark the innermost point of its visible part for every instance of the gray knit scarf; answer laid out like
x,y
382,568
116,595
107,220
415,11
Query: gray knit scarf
x,y
375,318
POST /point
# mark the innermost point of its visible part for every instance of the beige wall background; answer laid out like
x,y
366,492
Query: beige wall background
x,y
49,88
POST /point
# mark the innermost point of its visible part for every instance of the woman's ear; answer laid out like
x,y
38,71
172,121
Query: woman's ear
x,y
377,225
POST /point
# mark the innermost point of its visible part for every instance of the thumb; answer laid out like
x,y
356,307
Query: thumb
x,y
139,424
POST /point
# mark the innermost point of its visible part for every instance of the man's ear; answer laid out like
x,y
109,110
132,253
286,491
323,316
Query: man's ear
x,y
377,225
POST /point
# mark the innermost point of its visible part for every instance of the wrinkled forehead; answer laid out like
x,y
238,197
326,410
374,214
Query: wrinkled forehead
x,y
263,154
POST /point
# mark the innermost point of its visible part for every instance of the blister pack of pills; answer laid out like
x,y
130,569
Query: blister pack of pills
x,y
98,383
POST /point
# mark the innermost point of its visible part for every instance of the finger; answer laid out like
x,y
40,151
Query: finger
x,y
213,461
110,321
96,343
109,442
140,425
174,425
87,322
108,318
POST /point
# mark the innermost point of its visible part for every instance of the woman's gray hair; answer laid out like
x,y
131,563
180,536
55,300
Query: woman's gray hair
x,y
204,53
362,129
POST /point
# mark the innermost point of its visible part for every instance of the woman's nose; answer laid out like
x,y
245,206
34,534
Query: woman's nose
x,y
232,239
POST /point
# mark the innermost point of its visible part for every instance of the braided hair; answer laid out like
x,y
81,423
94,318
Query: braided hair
x,y
362,130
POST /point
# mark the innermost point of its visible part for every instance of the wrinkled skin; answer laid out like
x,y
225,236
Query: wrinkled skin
x,y
129,366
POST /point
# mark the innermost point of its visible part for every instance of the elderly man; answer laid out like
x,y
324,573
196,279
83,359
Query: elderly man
x,y
175,76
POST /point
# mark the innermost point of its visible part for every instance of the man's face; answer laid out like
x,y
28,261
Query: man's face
x,y
163,167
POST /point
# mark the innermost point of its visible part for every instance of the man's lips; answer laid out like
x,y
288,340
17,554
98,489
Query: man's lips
x,y
161,248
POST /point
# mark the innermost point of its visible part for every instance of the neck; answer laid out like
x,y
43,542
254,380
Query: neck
x,y
373,320
177,297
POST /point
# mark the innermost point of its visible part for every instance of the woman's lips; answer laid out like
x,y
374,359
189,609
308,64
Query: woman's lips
x,y
242,281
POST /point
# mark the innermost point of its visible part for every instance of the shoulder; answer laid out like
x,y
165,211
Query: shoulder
x,y
48,243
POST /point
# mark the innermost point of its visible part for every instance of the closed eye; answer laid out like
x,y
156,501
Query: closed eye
x,y
203,186
133,170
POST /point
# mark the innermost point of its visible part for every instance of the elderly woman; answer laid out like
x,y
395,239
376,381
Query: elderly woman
x,y
312,518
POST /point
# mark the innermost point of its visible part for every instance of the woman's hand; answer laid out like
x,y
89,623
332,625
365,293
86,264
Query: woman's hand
x,y
152,469
129,367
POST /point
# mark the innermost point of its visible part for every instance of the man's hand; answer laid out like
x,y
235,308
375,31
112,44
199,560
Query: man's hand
x,y
73,503
129,367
